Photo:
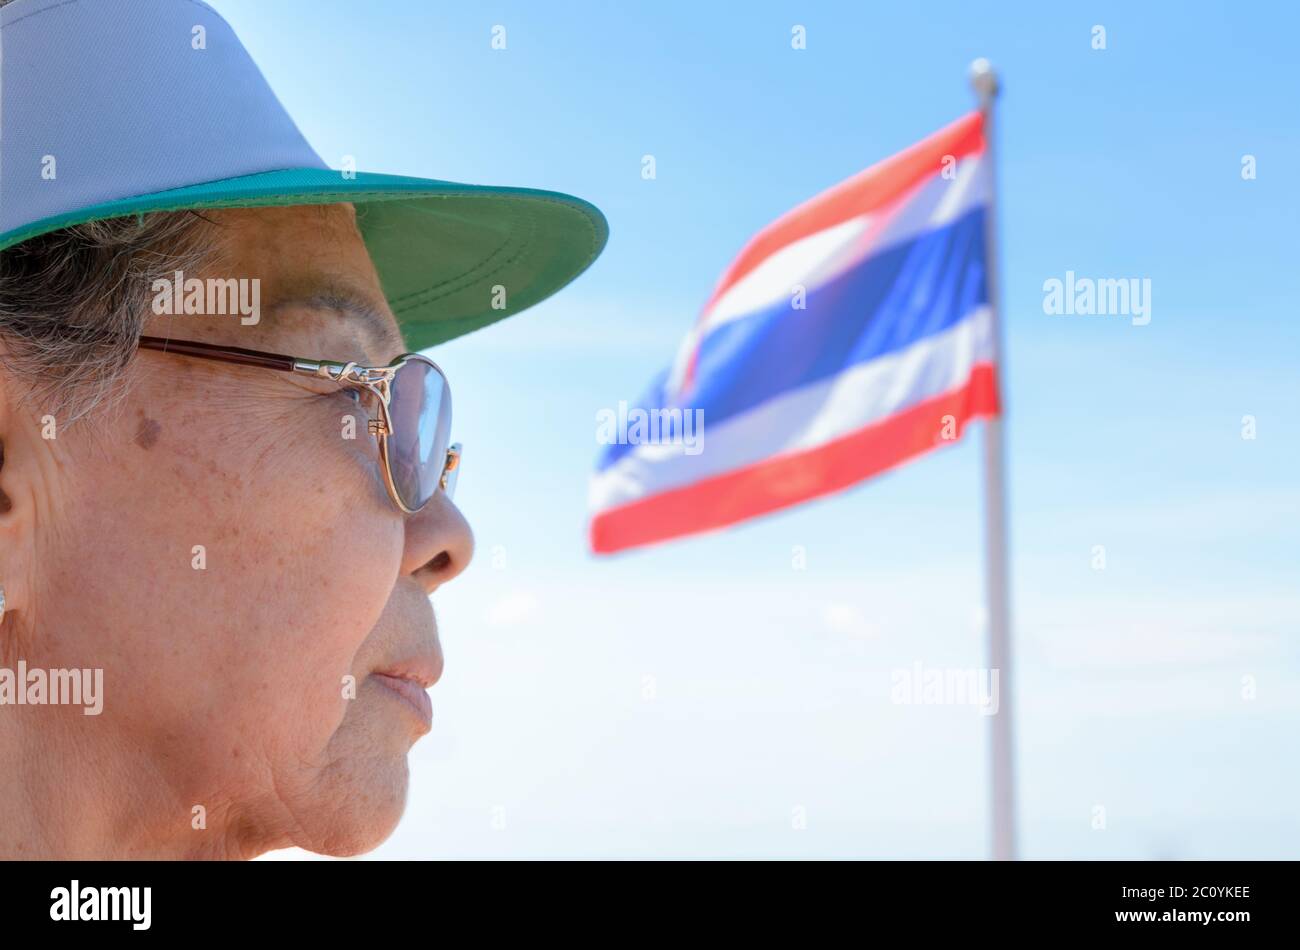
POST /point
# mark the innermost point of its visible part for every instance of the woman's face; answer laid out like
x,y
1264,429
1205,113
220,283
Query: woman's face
x,y
222,545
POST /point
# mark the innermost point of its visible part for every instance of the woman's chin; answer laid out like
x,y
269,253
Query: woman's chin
x,y
358,807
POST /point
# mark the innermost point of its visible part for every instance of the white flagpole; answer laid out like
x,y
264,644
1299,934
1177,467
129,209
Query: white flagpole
x,y
997,593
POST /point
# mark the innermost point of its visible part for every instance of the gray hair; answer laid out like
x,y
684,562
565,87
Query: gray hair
x,y
73,302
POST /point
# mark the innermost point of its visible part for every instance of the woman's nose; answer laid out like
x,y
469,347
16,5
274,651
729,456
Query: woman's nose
x,y
439,543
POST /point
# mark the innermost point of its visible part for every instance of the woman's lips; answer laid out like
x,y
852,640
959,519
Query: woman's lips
x,y
412,692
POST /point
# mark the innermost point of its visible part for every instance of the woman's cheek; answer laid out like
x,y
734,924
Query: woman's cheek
x,y
336,458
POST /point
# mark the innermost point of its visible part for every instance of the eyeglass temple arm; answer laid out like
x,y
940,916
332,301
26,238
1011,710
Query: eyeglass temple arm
x,y
326,369
222,354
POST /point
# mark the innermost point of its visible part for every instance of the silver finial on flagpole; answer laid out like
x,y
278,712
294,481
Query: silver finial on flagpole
x,y
984,80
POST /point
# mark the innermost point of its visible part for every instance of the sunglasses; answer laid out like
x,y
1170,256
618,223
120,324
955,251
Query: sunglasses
x,y
414,424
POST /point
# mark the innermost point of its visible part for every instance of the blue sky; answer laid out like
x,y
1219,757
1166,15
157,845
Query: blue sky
x,y
689,699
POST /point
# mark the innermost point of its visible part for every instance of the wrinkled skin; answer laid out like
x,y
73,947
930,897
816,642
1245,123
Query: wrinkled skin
x,y
224,687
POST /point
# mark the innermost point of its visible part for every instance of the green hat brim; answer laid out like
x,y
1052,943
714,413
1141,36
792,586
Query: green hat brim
x,y
452,258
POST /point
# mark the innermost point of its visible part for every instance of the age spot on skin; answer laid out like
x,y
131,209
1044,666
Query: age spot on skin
x,y
146,433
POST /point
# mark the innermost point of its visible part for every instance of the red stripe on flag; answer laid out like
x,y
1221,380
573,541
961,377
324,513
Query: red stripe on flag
x,y
786,480
864,192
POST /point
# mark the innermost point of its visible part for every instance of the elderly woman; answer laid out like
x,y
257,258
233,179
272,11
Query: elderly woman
x,y
225,487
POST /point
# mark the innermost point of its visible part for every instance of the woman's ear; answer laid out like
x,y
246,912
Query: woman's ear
x,y
17,514
5,503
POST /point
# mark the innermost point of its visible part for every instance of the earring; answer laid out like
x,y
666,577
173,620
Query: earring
x,y
2,604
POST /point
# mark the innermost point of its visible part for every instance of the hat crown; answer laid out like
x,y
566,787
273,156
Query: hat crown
x,y
102,101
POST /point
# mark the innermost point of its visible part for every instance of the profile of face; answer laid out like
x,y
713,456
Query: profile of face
x,y
220,541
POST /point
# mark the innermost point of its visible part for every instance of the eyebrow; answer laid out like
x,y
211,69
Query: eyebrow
x,y
373,323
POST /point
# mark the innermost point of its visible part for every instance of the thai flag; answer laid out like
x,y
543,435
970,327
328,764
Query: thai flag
x,y
850,335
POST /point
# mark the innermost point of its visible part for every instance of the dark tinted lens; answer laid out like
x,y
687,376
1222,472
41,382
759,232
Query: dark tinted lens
x,y
421,415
